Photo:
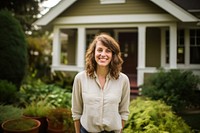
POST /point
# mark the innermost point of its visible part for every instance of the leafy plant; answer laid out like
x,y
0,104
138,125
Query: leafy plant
x,y
37,109
176,87
148,116
36,89
60,118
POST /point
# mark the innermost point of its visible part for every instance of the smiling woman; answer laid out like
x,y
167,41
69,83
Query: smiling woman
x,y
101,93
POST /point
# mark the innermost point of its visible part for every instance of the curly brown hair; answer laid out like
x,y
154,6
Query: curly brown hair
x,y
116,62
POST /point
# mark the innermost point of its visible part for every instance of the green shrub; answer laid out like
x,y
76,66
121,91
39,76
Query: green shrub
x,y
176,87
35,90
8,92
13,49
37,109
148,116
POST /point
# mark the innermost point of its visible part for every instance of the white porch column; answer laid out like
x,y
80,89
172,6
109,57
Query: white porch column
x,y
56,47
80,60
141,53
173,46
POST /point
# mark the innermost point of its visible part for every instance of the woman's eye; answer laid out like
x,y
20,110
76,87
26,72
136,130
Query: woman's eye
x,y
108,50
99,50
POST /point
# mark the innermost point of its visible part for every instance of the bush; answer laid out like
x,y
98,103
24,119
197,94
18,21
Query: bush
x,y
148,116
8,92
176,87
37,109
35,90
13,49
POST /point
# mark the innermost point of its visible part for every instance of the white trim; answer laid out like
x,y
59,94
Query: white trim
x,y
80,50
127,18
173,46
70,68
175,10
112,1
116,25
141,53
56,46
54,12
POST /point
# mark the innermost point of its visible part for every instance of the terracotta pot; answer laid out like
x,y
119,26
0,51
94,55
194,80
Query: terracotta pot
x,y
59,128
16,122
43,121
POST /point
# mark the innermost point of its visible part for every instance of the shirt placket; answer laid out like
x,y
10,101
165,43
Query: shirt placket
x,y
102,100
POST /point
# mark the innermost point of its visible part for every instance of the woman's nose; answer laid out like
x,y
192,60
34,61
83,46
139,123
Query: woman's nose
x,y
103,53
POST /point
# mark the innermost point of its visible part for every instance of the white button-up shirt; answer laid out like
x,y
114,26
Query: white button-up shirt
x,y
100,109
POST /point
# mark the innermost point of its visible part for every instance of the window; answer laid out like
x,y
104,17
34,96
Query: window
x,y
68,41
180,46
195,46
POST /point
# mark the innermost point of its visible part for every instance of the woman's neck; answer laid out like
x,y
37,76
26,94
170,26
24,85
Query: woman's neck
x,y
102,71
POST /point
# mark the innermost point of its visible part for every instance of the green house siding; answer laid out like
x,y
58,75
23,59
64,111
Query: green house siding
x,y
153,46
93,7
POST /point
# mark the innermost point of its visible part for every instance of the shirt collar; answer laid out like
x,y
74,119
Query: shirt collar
x,y
107,77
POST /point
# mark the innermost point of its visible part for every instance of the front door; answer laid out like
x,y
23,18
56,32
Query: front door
x,y
128,44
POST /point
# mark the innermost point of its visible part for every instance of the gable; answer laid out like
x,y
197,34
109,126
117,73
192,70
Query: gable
x,y
71,8
93,7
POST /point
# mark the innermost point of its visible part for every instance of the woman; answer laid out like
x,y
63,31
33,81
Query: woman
x,y
101,93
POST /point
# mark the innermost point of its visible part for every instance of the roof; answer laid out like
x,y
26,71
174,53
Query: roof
x,y
193,5
172,7
175,10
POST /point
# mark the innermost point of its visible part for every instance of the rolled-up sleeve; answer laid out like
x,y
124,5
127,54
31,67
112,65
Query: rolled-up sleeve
x,y
77,102
125,100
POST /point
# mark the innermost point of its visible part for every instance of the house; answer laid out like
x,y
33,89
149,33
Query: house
x,y
151,33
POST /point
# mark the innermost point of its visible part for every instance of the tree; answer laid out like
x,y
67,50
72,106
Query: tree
x,y
25,11
13,49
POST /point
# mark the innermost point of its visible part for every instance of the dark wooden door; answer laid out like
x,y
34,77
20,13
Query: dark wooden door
x,y
128,45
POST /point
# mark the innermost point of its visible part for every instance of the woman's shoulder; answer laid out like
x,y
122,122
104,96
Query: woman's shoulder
x,y
123,75
81,74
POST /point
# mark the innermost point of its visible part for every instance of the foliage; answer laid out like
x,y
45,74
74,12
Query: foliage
x,y
39,52
8,92
60,118
25,11
37,109
148,116
33,90
21,124
176,87
13,49
62,79
8,112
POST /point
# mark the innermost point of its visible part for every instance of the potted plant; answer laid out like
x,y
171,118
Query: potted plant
x,y
21,125
60,121
8,112
38,110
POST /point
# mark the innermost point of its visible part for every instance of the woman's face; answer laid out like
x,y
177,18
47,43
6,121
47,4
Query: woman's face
x,y
103,55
